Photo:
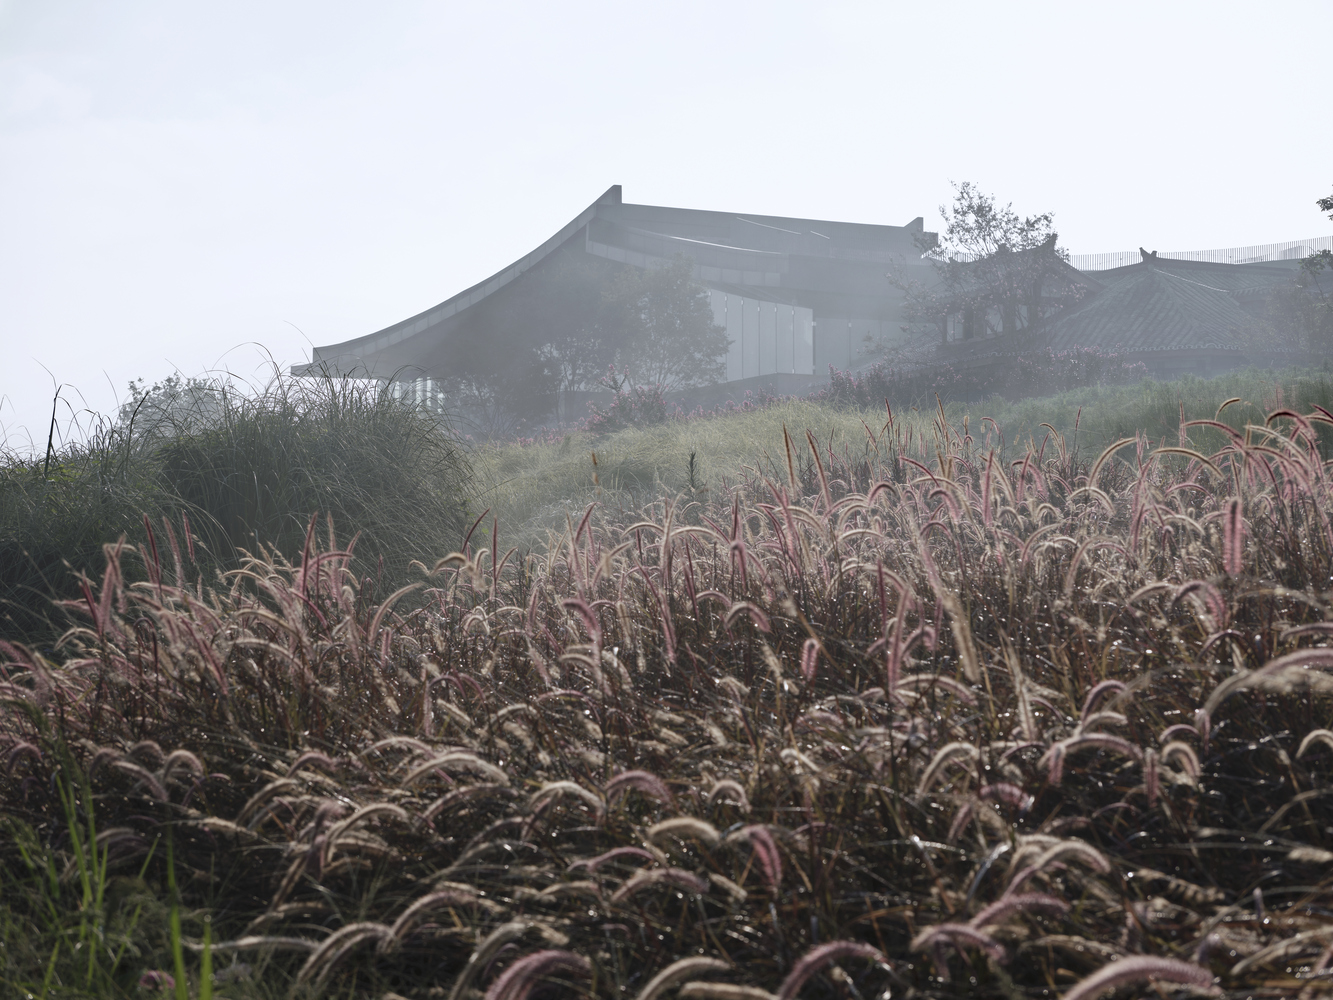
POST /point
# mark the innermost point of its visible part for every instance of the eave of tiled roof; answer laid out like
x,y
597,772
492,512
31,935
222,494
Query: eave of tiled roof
x,y
1155,309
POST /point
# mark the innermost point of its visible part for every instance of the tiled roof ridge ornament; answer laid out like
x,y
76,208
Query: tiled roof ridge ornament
x,y
1148,258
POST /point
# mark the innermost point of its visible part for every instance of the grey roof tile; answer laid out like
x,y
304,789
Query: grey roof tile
x,y
1158,306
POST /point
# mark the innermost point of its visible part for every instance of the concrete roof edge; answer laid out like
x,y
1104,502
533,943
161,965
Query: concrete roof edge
x,y
368,344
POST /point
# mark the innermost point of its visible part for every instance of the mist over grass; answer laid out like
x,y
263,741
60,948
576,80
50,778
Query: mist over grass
x,y
869,711
1155,409
532,488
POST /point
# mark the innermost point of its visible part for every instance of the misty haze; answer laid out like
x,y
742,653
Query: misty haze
x,y
751,502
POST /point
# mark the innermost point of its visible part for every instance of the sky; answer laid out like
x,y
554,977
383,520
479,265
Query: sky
x,y
202,187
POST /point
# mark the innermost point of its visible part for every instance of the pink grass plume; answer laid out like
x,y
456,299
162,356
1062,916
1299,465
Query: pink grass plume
x,y
1138,969
809,659
765,852
642,781
1233,536
957,935
818,957
519,980
592,864
1019,902
647,878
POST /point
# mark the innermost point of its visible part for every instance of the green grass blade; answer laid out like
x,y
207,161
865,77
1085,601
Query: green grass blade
x,y
50,969
178,955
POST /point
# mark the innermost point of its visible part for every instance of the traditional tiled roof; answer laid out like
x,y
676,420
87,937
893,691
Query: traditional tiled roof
x,y
1239,279
1161,305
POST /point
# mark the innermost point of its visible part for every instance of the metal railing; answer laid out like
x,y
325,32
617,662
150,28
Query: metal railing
x,y
1257,254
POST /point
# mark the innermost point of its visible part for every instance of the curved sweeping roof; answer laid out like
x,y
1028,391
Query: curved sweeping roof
x,y
835,268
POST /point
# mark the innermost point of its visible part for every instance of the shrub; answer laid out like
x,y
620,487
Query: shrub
x,y
392,473
1037,373
1043,372
245,471
630,406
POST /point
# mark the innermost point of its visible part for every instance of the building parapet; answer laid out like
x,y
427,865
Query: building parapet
x,y
1260,253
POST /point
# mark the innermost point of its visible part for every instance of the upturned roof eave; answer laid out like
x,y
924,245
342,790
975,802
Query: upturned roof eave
x,y
360,350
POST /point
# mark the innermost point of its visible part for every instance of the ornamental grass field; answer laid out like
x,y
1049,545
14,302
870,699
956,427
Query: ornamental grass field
x,y
912,718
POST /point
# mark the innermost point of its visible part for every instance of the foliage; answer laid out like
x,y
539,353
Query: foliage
x,y
1037,373
497,383
345,449
646,406
522,347
566,322
977,227
994,272
1033,374
250,470
672,341
567,306
1301,314
171,407
630,406
911,717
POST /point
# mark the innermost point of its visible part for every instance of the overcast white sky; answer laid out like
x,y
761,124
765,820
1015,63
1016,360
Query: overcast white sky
x,y
181,182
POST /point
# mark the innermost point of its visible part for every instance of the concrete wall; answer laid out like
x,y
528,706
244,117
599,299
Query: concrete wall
x,y
847,341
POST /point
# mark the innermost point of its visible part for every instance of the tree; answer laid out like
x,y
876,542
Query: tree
x,y
1307,307
171,407
497,378
1300,314
565,307
976,228
671,339
565,323
995,272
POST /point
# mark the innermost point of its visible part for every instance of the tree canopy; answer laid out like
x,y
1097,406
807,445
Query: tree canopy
x,y
976,227
1304,312
565,323
994,271
670,337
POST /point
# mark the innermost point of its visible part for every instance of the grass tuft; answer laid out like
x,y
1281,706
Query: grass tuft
x,y
242,473
918,716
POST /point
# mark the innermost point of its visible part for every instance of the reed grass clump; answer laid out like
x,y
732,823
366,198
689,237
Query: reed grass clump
x,y
266,462
243,470
919,720
56,511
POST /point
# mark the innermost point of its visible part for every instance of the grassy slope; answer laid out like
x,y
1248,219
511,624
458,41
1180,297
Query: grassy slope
x,y
977,806
1154,408
532,489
